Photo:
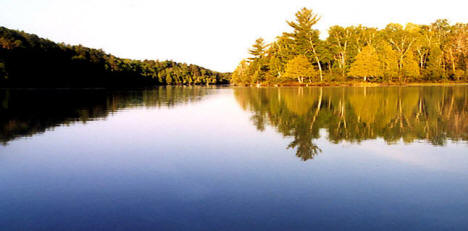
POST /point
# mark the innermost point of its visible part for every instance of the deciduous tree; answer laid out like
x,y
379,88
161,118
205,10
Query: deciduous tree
x,y
300,68
367,64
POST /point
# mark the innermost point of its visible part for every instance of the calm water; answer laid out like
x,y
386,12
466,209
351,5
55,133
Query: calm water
x,y
195,158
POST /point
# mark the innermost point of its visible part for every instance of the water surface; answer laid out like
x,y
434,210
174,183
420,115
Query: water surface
x,y
196,158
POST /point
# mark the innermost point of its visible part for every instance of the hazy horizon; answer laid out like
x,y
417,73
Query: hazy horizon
x,y
209,33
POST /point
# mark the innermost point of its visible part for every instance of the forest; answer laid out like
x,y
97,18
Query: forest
x,y
27,60
396,54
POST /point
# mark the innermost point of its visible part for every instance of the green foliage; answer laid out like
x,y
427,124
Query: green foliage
x,y
30,61
304,36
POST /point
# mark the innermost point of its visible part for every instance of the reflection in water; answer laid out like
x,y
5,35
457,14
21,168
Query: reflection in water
x,y
204,166
27,112
432,114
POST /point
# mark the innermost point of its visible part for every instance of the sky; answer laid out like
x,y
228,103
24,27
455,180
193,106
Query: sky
x,y
212,33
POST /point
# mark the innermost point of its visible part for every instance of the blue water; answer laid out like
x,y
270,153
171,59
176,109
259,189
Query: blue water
x,y
201,163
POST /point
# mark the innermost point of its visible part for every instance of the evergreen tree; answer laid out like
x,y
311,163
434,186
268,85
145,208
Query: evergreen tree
x,y
305,38
258,50
257,62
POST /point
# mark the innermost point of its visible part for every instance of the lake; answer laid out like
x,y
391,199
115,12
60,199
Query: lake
x,y
234,158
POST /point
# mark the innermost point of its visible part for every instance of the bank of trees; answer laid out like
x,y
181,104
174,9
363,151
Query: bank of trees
x,y
411,53
29,61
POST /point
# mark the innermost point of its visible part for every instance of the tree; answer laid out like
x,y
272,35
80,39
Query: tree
x,y
59,65
436,38
410,66
279,53
439,50
300,68
306,39
401,40
457,49
275,64
339,39
240,75
258,63
362,36
388,59
367,64
435,60
258,50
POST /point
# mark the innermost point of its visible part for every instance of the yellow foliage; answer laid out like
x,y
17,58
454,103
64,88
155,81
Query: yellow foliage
x,y
389,60
367,64
300,68
410,66
240,75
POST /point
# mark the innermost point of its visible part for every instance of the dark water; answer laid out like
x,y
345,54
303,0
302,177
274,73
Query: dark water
x,y
195,158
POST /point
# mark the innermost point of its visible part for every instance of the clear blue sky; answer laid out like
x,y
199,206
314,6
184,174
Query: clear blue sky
x,y
212,33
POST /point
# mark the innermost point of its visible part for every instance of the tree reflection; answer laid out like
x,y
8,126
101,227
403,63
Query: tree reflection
x,y
353,114
27,112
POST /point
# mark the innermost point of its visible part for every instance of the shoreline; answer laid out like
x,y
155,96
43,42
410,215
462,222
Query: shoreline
x,y
356,84
292,84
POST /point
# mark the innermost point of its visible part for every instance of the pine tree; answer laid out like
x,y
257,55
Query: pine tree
x,y
305,38
258,62
258,49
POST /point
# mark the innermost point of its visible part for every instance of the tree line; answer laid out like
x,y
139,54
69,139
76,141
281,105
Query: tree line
x,y
412,53
27,60
409,114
